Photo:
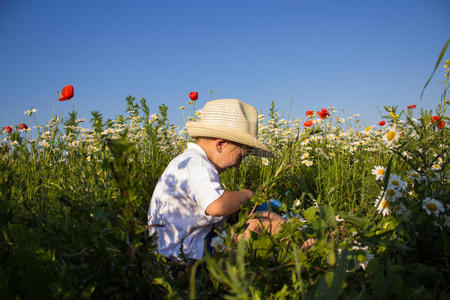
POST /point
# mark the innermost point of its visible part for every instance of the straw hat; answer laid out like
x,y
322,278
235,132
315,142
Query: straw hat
x,y
232,120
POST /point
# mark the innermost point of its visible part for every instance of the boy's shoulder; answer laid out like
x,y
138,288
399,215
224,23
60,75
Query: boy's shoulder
x,y
193,155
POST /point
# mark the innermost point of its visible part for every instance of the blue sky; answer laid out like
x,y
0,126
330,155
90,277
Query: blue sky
x,y
354,55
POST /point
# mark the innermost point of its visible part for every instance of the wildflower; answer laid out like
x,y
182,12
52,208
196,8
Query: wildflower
x,y
323,113
181,107
217,244
265,161
307,163
356,115
193,96
66,93
399,208
44,143
414,175
433,176
392,194
30,112
382,123
396,181
411,106
440,123
305,155
308,123
435,167
432,206
391,136
22,126
309,113
7,129
339,219
379,172
367,129
406,155
297,202
382,205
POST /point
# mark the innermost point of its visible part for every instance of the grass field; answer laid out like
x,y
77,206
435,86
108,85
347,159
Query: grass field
x,y
74,200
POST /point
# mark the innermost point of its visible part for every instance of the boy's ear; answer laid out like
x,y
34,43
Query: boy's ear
x,y
220,143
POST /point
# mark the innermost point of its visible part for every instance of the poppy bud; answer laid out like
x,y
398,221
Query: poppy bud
x,y
411,106
66,93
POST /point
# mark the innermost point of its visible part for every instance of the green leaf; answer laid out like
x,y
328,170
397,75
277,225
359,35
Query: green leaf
x,y
310,214
441,55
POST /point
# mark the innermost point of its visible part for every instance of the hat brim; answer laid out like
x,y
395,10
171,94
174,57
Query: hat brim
x,y
202,129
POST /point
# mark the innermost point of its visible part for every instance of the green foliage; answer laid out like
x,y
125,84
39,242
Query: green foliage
x,y
74,205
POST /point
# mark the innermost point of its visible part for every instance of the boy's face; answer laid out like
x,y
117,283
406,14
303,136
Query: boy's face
x,y
231,155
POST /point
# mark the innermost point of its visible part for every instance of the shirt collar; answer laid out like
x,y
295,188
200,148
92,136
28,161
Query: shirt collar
x,y
197,148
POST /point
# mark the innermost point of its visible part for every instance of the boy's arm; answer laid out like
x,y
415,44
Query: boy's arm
x,y
229,202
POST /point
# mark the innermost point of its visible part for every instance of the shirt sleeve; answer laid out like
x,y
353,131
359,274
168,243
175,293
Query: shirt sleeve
x,y
205,184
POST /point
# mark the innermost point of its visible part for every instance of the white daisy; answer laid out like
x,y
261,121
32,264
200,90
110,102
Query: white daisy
x,y
297,202
391,136
432,206
398,208
436,167
307,162
379,172
415,176
217,243
265,161
382,205
392,193
339,219
397,182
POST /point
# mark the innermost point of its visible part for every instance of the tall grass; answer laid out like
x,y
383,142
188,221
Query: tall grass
x,y
74,203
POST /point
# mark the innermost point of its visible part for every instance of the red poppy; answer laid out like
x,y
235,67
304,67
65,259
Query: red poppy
x,y
193,96
441,123
308,123
309,113
67,93
22,126
411,106
382,123
323,113
8,129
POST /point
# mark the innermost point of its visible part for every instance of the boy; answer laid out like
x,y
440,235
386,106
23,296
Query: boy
x,y
189,198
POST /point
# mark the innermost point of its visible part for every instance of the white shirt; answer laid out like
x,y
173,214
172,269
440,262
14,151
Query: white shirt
x,y
187,186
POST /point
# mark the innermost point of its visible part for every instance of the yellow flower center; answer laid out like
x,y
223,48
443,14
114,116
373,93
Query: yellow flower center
x,y
390,135
395,182
391,193
431,207
368,128
219,247
415,175
384,204
380,172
